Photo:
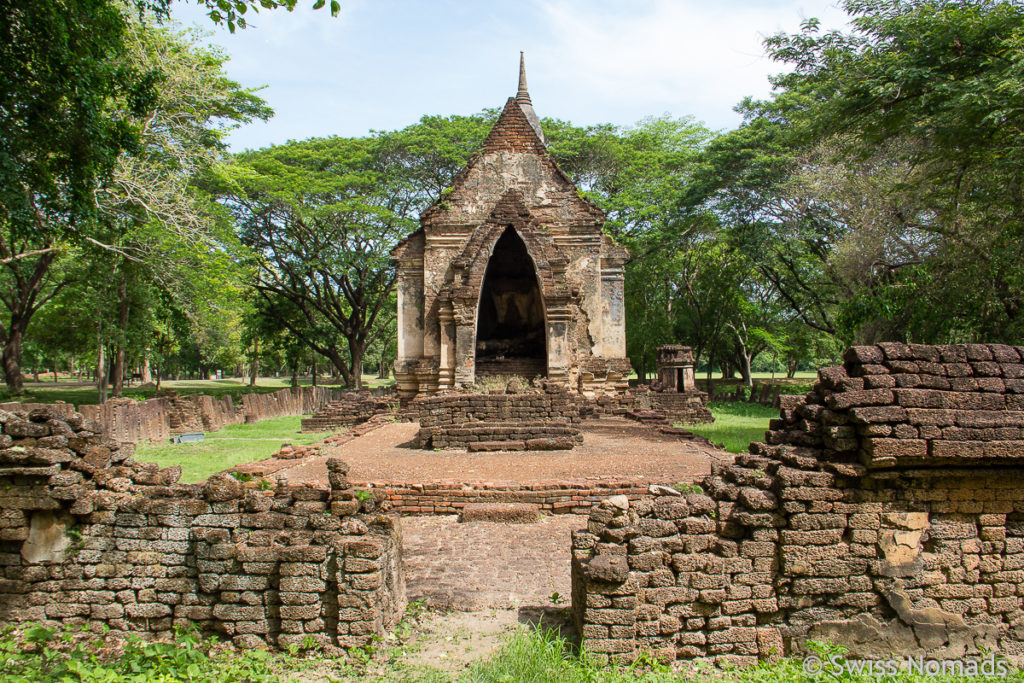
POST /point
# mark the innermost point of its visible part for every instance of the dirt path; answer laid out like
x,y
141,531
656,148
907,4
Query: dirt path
x,y
612,447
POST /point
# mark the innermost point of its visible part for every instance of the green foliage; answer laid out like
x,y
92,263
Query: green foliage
x,y
320,218
38,653
876,192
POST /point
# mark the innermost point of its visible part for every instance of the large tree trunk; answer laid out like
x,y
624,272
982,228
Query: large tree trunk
x,y
101,372
123,309
22,304
357,351
118,372
745,372
314,370
147,372
254,368
12,360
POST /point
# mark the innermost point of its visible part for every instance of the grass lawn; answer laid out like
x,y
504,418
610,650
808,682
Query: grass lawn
x,y
736,424
78,393
230,446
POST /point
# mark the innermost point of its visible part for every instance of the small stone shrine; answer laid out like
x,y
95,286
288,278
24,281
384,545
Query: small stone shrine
x,y
675,391
511,274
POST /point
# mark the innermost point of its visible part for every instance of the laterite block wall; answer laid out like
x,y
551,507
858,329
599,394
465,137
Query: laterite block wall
x,y
88,536
885,513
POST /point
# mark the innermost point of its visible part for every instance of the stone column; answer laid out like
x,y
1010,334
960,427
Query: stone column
x,y
446,370
410,326
410,309
557,326
613,334
465,353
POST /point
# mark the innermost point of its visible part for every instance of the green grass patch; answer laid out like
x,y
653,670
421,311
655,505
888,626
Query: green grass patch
x,y
233,445
543,655
736,424
37,653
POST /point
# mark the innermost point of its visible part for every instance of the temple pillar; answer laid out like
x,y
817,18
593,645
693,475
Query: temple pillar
x,y
558,321
410,327
446,369
613,308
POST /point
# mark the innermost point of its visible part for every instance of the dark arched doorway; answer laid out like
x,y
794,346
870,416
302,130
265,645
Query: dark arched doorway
x,y
510,336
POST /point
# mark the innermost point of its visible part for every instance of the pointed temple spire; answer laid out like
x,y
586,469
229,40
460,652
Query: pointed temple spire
x,y
523,99
523,96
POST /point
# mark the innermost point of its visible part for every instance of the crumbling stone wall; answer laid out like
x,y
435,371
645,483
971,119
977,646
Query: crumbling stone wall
x,y
540,420
684,408
89,536
168,414
885,513
688,408
353,408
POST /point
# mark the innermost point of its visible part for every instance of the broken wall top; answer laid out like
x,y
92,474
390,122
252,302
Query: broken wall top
x,y
906,405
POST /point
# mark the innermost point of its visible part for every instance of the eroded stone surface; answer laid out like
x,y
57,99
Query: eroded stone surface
x,y
885,513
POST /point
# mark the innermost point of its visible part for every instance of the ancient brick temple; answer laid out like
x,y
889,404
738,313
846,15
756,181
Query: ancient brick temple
x,y
511,274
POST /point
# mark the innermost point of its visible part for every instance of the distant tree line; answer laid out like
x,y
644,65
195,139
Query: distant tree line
x,y
877,195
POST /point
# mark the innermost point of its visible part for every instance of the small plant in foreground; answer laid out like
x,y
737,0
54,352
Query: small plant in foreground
x,y
38,653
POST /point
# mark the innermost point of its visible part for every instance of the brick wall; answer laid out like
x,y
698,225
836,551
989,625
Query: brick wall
x,y
351,409
557,497
885,513
539,420
89,536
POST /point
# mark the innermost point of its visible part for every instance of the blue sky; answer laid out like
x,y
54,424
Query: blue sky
x,y
382,64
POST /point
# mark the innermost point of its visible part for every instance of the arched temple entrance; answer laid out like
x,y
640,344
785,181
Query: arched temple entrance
x,y
510,337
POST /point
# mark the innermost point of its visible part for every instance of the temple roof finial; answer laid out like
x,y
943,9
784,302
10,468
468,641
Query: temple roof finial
x,y
524,102
523,96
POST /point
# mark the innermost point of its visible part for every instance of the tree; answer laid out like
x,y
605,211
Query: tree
x,y
161,227
61,67
878,191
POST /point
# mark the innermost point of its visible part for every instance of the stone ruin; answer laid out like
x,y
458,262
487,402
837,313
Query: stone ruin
x,y
674,396
88,536
353,408
511,273
546,419
885,512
